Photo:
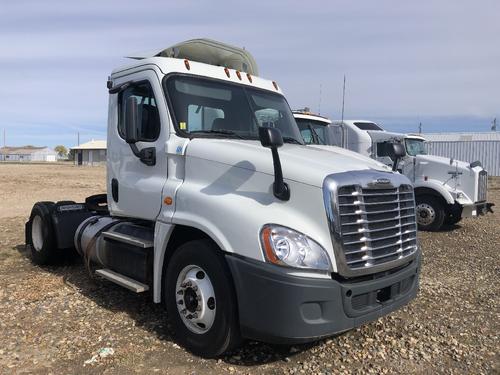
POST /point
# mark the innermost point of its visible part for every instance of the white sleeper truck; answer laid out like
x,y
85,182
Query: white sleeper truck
x,y
446,190
216,208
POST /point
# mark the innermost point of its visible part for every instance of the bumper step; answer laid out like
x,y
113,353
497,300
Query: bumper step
x,y
122,280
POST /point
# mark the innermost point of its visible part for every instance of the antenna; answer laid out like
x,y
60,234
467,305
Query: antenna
x,y
343,100
419,128
494,125
78,138
319,104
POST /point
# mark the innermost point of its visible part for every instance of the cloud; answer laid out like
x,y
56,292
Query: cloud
x,y
403,61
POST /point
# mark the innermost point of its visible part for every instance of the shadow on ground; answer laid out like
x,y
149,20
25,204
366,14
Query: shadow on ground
x,y
150,316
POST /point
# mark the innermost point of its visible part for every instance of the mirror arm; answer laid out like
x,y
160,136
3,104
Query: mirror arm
x,y
280,187
395,164
146,155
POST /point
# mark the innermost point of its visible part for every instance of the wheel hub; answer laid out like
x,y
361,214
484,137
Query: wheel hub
x,y
425,214
195,299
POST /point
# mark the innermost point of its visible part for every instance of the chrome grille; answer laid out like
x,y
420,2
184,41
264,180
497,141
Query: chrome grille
x,y
377,225
482,186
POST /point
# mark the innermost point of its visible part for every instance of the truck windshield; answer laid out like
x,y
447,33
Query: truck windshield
x,y
415,147
313,132
211,108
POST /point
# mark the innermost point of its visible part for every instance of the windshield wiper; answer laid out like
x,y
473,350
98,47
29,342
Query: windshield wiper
x,y
291,140
221,131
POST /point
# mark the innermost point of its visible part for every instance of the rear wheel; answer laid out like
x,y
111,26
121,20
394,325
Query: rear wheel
x,y
200,301
40,236
430,213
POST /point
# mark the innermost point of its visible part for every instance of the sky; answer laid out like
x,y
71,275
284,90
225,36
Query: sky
x,y
434,62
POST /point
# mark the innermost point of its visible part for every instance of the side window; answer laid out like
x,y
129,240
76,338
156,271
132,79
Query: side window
x,y
148,126
384,149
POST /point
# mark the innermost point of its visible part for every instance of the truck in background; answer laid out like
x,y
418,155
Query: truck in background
x,y
215,206
446,190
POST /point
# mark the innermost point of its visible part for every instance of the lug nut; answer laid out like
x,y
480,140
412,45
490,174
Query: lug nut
x,y
180,302
183,311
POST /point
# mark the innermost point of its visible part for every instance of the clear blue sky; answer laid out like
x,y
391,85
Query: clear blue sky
x,y
431,61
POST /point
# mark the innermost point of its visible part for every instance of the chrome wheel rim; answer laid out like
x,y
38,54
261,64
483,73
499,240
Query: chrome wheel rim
x,y
37,233
425,214
195,299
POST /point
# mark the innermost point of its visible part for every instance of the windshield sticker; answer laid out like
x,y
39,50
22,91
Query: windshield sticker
x,y
182,125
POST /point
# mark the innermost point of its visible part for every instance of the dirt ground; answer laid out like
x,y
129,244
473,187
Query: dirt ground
x,y
54,319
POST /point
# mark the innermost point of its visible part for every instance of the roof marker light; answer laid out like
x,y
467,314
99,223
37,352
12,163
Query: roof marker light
x,y
249,77
238,74
186,62
227,72
275,85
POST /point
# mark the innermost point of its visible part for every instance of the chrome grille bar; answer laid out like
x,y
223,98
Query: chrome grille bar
x,y
392,209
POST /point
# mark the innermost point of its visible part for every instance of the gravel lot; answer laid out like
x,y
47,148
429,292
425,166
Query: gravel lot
x,y
52,320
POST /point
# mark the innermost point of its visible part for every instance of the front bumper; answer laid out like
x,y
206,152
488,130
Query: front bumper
x,y
276,307
477,209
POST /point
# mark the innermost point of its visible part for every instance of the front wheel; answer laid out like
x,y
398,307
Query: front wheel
x,y
430,213
200,300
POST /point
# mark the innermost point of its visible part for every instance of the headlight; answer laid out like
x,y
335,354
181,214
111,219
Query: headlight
x,y
286,247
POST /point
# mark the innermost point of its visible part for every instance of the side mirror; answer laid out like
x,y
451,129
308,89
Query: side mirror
x,y
272,138
398,151
131,120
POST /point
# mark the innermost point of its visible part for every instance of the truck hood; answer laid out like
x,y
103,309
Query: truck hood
x,y
443,162
305,164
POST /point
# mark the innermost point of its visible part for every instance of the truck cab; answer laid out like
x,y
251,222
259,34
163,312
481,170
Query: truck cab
x,y
217,208
446,190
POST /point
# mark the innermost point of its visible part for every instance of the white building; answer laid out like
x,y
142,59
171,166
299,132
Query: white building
x,y
90,153
28,154
469,147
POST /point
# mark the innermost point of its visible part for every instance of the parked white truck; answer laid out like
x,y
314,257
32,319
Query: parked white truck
x,y
216,207
446,190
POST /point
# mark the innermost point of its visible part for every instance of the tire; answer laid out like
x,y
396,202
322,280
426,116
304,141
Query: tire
x,y
452,219
40,239
453,214
430,213
194,268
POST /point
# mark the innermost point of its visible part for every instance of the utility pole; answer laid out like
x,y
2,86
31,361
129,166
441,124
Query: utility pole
x,y
343,100
78,139
319,105
4,139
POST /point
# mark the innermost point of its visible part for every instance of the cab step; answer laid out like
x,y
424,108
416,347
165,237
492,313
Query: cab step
x,y
128,239
122,280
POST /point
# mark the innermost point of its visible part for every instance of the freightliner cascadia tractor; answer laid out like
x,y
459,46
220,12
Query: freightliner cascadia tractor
x,y
446,190
216,208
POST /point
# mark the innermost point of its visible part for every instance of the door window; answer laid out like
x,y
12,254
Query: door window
x,y
148,124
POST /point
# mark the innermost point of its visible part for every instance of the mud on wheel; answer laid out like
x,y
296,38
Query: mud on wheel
x,y
200,301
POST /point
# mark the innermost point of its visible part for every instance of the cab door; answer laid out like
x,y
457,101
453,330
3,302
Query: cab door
x,y
134,184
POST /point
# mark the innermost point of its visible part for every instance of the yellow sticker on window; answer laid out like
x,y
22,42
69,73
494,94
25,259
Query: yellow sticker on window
x,y
182,125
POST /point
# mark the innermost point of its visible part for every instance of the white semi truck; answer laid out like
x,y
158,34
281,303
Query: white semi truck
x,y
216,207
446,190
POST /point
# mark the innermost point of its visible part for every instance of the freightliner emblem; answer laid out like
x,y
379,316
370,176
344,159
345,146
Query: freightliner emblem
x,y
380,181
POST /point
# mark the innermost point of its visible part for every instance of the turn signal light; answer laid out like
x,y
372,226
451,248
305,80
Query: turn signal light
x,y
168,201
